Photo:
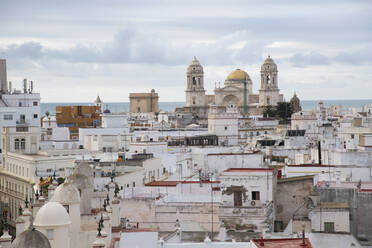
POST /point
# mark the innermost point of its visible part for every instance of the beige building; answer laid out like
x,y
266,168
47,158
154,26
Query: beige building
x,y
144,102
23,165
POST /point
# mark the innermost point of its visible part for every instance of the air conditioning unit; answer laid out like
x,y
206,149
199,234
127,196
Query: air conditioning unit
x,y
255,203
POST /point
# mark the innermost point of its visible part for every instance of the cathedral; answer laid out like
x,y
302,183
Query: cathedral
x,y
237,91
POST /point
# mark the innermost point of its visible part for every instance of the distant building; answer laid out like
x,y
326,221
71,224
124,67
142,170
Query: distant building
x,y
295,104
144,102
237,91
75,117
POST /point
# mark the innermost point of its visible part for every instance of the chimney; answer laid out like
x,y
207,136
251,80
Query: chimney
x,y
3,79
32,86
10,87
319,153
200,178
25,85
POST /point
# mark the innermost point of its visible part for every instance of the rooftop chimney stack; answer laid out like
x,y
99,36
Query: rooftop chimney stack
x,y
10,87
3,78
32,86
25,85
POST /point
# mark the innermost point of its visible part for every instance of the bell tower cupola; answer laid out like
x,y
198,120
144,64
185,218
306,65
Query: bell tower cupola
x,y
269,91
195,93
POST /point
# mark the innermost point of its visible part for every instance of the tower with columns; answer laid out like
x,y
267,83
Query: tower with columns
x,y
269,91
195,93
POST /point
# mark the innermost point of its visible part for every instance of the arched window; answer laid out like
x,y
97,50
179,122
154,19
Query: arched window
x,y
268,100
16,144
23,144
193,81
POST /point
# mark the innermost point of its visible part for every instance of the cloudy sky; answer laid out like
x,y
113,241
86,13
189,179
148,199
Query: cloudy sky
x,y
75,50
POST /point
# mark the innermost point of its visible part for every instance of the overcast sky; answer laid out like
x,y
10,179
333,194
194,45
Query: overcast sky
x,y
74,50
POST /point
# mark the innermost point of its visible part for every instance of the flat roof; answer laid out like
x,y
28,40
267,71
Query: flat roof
x,y
281,243
334,205
249,170
175,183
234,153
310,165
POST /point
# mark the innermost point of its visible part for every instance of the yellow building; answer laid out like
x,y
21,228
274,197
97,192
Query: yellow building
x,y
75,117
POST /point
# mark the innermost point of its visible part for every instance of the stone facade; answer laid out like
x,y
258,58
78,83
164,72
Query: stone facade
x,y
144,102
237,91
291,196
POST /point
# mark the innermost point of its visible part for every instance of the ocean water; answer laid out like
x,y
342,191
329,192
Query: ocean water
x,y
119,107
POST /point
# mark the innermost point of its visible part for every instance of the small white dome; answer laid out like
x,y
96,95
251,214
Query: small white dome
x,y
52,214
31,238
66,194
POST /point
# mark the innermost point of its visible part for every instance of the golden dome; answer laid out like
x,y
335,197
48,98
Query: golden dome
x,y
238,75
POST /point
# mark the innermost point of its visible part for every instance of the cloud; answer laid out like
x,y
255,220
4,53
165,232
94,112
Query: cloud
x,y
130,46
29,50
357,57
308,59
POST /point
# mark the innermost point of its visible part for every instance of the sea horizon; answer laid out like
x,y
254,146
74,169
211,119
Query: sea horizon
x,y
120,107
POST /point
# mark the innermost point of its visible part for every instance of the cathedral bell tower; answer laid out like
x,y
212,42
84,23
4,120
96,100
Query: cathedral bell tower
x,y
269,91
195,93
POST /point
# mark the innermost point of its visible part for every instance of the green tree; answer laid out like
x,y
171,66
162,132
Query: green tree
x,y
269,111
284,112
60,180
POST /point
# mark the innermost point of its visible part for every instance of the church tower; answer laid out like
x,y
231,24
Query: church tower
x,y
269,91
195,93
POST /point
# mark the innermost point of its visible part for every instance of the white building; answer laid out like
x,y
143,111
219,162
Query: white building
x,y
24,164
18,107
330,217
249,194
224,125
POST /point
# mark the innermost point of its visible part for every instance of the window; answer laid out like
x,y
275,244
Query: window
x,y
255,195
8,117
19,104
193,81
16,144
23,144
225,127
35,116
21,129
35,103
329,227
50,234
134,184
238,202
268,101
67,208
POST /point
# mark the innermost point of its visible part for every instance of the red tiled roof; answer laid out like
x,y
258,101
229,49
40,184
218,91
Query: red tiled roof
x,y
281,243
365,190
249,169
